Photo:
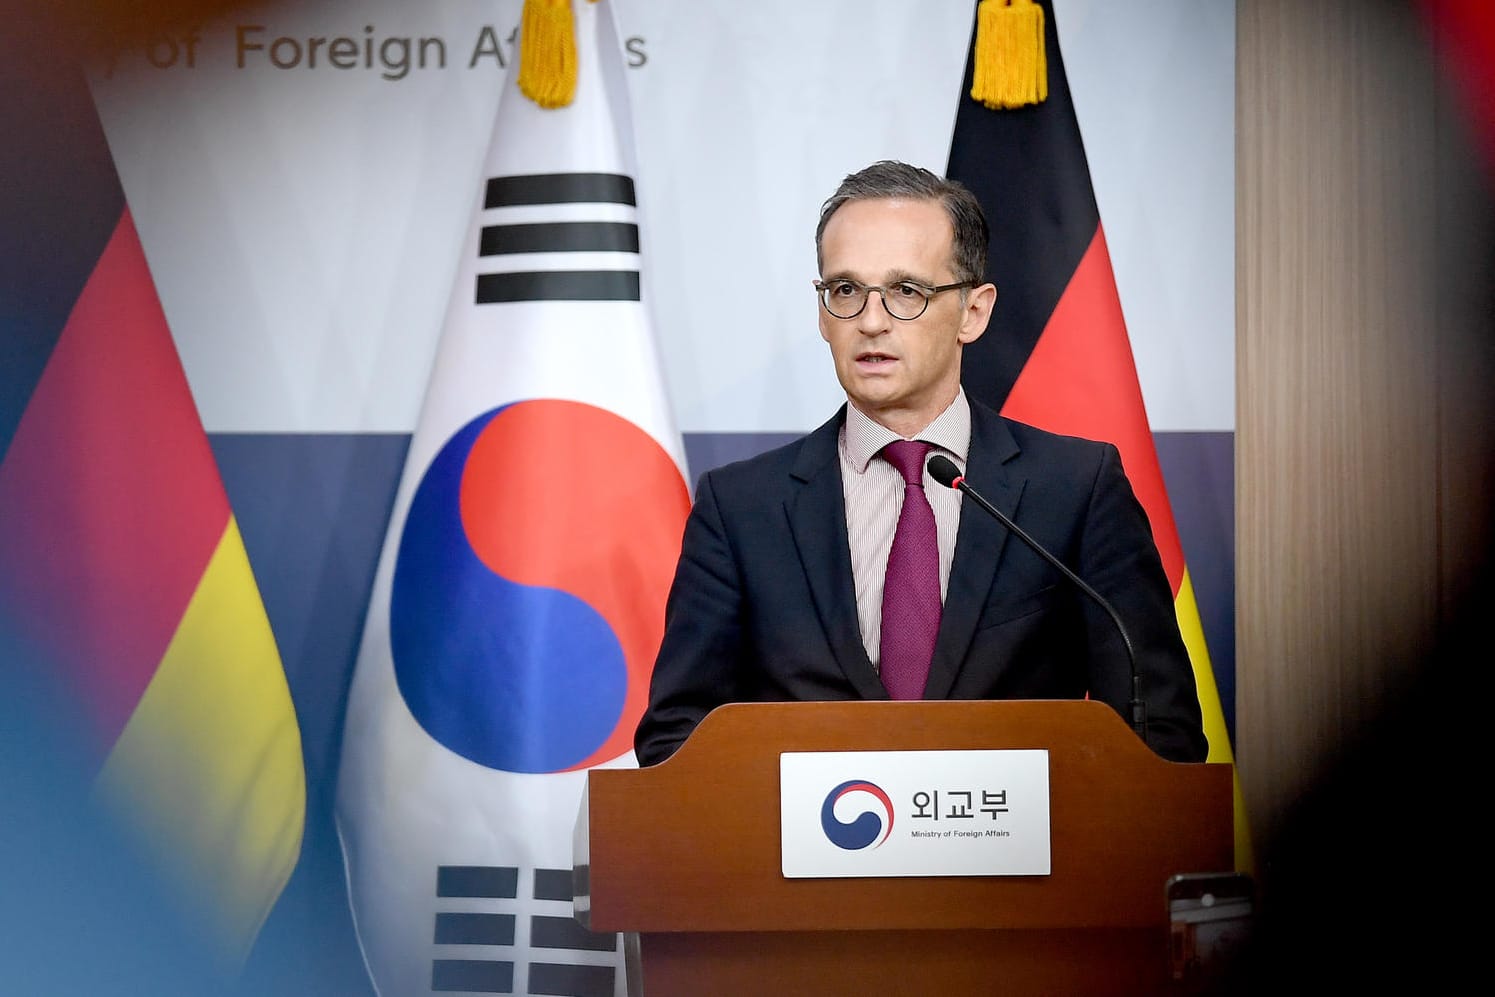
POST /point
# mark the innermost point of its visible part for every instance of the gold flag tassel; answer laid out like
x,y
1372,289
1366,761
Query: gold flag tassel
x,y
1011,69
547,52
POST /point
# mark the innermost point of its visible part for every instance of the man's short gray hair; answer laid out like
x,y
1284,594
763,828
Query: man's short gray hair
x,y
889,178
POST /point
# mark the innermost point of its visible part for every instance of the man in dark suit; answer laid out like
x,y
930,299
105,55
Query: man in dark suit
x,y
786,587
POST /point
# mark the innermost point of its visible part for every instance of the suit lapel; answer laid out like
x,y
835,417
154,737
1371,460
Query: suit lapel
x,y
817,520
979,545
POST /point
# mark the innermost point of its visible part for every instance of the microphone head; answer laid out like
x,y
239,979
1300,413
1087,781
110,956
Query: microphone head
x,y
943,470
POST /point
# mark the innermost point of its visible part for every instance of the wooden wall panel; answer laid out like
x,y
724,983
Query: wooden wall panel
x,y
1344,464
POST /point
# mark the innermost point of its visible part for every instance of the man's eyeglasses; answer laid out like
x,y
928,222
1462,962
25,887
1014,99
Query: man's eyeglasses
x,y
904,299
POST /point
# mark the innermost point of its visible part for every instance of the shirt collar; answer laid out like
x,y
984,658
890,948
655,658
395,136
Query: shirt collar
x,y
950,432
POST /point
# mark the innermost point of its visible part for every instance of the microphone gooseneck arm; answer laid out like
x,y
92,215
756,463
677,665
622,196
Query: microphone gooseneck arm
x,y
944,471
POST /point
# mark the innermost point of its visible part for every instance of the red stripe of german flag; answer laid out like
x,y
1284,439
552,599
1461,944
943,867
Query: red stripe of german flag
x,y
1056,353
111,499
122,571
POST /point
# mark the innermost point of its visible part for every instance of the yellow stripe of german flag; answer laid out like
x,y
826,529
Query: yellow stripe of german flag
x,y
209,767
1214,714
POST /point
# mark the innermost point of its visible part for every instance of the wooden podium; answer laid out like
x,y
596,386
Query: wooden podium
x,y
686,854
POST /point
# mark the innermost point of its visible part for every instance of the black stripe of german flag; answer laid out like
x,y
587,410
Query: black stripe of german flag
x,y
61,204
1027,167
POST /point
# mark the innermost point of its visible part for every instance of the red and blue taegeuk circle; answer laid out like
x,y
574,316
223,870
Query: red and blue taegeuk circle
x,y
529,585
862,830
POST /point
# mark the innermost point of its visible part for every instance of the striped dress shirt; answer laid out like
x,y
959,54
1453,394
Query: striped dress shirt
x,y
873,489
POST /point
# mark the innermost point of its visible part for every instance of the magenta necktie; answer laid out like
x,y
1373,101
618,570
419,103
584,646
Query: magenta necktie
x,y
911,588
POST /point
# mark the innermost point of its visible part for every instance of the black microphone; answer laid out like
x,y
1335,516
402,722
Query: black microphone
x,y
943,470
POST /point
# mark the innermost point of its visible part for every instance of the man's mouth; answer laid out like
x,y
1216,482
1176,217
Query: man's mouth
x,y
874,358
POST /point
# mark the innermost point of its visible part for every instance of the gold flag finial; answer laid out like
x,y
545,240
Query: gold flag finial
x,y
547,52
1010,67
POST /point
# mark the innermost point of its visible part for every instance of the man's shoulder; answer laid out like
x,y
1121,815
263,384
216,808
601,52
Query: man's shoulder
x,y
773,461
780,462
1026,437
1030,436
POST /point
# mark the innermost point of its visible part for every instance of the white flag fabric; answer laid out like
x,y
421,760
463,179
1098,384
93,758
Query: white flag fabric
x,y
519,599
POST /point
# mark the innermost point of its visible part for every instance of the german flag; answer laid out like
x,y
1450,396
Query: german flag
x,y
1056,353
124,580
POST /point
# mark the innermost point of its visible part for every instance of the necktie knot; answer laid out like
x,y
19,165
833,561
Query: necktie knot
x,y
908,457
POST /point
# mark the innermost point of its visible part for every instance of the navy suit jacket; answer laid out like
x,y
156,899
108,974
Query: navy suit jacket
x,y
763,606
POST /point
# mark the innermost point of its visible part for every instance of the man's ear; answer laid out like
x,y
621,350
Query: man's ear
x,y
979,303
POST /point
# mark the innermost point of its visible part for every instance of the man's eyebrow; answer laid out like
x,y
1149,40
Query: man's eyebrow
x,y
897,276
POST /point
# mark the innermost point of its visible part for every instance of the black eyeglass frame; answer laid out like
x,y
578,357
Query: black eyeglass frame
x,y
822,289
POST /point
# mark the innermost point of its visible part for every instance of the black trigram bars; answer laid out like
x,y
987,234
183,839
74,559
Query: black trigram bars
x,y
559,932
558,237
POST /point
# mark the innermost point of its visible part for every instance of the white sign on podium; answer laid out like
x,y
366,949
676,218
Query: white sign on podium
x,y
914,813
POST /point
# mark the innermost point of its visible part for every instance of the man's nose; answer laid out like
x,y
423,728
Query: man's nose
x,y
875,318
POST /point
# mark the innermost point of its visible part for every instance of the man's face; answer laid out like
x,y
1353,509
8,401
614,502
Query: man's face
x,y
901,374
